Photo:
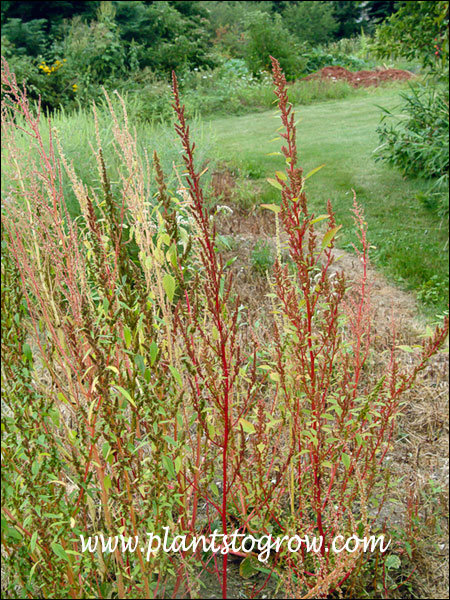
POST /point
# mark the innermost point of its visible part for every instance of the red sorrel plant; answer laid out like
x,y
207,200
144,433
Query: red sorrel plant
x,y
93,437
340,421
222,379
332,421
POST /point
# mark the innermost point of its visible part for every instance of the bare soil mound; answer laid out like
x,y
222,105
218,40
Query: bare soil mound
x,y
361,78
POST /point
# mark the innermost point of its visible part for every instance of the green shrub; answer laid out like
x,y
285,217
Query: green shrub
x,y
167,35
53,81
96,53
72,70
433,291
416,139
317,58
147,97
266,37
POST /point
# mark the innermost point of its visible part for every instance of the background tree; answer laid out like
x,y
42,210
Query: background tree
x,y
311,22
53,11
349,16
28,38
418,30
415,137
167,35
378,10
267,36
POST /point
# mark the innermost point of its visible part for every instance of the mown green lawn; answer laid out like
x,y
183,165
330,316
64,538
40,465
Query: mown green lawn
x,y
410,241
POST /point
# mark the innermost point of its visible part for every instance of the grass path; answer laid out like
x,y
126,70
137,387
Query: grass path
x,y
410,241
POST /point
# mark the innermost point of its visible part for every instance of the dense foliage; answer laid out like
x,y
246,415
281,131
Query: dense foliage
x,y
66,51
416,138
417,30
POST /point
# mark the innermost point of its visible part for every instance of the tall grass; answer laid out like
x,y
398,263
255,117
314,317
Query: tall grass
x,y
78,129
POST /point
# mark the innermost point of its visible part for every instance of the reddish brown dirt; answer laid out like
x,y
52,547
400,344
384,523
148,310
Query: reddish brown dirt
x,y
361,78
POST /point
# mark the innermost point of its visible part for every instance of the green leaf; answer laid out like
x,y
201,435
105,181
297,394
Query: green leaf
x,y
406,348
247,426
59,551
12,532
274,423
221,287
408,548
127,336
281,175
27,352
33,541
61,397
176,375
248,567
319,218
105,450
107,482
169,285
126,395
169,466
153,352
393,562
329,236
346,460
170,440
274,183
337,409
273,207
164,238
54,415
139,362
171,255
311,173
